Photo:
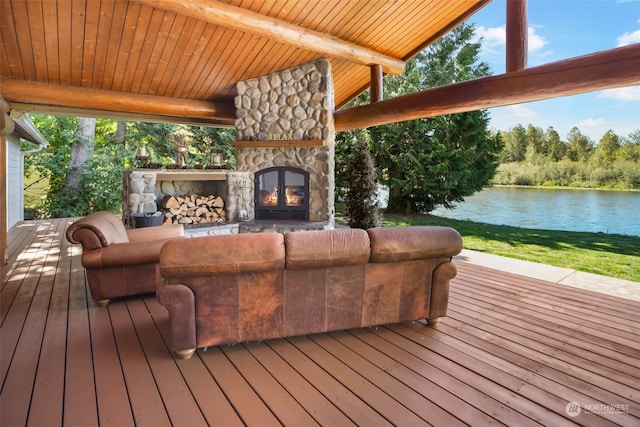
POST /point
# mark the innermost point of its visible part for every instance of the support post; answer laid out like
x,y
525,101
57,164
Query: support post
x,y
516,52
377,92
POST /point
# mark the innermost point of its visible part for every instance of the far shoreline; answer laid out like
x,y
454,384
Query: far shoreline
x,y
558,187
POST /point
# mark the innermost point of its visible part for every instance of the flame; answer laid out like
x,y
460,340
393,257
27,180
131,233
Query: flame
x,y
292,197
272,198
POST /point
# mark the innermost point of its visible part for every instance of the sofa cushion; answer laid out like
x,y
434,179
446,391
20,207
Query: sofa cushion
x,y
226,254
324,249
393,244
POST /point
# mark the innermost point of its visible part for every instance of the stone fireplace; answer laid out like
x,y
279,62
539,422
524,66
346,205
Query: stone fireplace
x,y
285,120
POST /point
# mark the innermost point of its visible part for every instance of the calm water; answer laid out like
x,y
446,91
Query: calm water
x,y
613,212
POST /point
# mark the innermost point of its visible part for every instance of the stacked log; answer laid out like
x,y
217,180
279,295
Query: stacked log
x,y
192,209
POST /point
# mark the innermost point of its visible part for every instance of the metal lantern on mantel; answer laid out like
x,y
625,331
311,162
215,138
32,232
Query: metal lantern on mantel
x,y
217,156
181,155
180,142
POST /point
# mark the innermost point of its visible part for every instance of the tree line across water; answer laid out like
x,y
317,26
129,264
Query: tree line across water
x,y
532,156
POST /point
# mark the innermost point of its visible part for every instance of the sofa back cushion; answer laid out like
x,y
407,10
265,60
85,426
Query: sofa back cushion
x,y
97,230
326,248
394,244
225,254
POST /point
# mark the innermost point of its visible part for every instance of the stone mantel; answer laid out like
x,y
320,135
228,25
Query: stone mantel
x,y
279,143
190,175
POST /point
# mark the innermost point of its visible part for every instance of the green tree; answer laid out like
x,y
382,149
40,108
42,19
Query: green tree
x,y
606,152
90,179
361,202
555,148
515,144
81,151
535,144
579,146
439,160
630,148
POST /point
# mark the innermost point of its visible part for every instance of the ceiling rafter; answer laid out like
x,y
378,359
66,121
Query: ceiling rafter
x,y
222,14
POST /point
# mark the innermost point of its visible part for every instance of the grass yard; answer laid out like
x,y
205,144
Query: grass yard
x,y
605,254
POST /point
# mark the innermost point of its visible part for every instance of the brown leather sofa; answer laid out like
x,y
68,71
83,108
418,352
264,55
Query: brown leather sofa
x,y
252,287
120,261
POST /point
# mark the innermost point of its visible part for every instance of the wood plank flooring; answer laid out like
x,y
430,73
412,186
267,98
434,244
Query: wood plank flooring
x,y
512,351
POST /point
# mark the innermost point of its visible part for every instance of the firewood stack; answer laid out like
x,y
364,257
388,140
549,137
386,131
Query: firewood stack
x,y
192,209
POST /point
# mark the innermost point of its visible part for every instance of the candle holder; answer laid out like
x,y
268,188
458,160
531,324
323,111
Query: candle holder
x,y
142,154
217,158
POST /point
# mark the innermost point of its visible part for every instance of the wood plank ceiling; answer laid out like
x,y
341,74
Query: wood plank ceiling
x,y
129,47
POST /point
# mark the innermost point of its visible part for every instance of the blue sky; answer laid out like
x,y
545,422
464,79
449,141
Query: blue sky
x,y
560,29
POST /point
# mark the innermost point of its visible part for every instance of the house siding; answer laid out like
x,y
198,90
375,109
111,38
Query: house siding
x,y
15,182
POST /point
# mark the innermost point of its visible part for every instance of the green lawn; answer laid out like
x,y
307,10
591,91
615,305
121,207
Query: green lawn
x,y
606,254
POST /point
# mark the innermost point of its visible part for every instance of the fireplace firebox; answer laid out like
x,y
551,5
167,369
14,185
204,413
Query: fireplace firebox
x,y
282,193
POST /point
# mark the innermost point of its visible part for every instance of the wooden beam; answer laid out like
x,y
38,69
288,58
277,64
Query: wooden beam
x,y
516,52
240,19
6,123
3,197
377,91
20,107
603,70
19,91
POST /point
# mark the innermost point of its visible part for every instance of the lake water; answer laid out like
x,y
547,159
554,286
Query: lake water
x,y
613,212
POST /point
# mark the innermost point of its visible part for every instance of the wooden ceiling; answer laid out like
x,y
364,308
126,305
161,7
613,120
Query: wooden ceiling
x,y
128,58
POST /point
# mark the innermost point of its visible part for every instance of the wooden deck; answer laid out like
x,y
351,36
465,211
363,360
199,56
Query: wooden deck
x,y
513,351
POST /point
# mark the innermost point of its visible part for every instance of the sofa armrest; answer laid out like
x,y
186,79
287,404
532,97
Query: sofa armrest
x,y
442,274
122,254
99,229
153,233
180,302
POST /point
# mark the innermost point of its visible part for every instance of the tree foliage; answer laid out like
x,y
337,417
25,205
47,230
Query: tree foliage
x,y
361,205
75,190
614,162
439,160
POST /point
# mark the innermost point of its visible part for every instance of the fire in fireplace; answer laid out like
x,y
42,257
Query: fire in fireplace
x,y
282,193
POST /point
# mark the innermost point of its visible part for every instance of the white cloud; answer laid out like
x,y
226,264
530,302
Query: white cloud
x,y
494,39
521,112
629,38
631,93
535,41
592,123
